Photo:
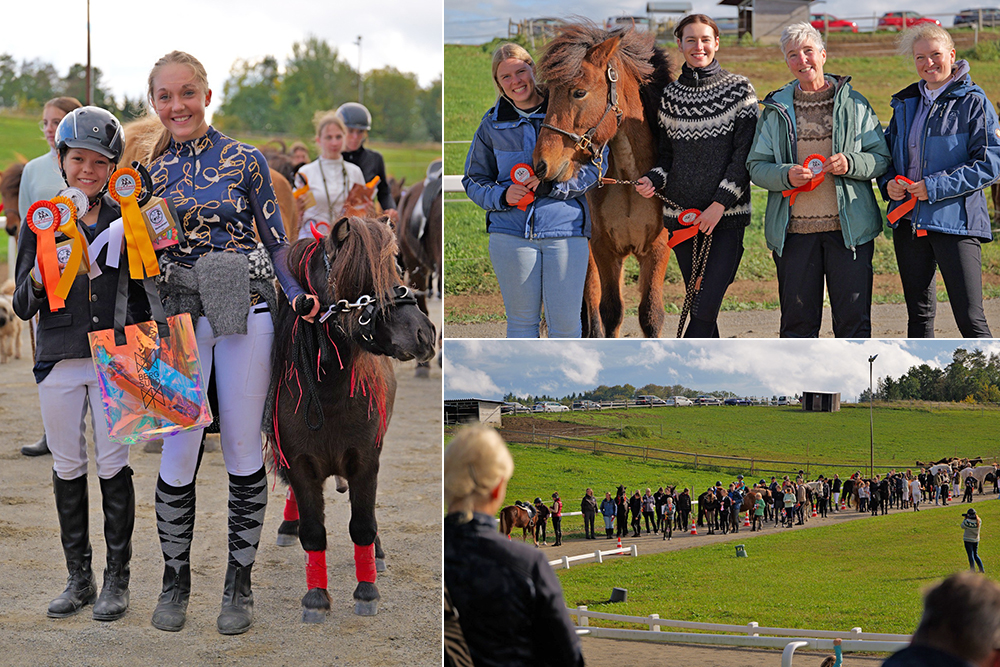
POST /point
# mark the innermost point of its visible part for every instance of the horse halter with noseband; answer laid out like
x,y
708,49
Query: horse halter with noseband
x,y
585,143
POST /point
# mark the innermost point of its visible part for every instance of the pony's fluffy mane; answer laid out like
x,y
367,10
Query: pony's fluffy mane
x,y
564,56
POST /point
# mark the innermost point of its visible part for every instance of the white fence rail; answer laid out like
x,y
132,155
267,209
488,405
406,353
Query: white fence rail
x,y
749,635
597,556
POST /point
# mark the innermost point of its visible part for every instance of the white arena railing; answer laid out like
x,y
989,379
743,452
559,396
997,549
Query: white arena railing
x,y
597,556
749,635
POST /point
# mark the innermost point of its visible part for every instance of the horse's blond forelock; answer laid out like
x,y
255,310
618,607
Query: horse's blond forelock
x,y
564,56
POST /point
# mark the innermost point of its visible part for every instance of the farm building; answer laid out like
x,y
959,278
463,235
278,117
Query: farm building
x,y
764,20
821,401
472,411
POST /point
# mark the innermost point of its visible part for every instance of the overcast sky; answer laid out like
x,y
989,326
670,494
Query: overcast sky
x,y
478,22
491,368
128,37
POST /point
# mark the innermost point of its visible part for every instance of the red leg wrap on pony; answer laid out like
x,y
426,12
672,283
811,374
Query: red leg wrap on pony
x,y
364,563
316,569
291,506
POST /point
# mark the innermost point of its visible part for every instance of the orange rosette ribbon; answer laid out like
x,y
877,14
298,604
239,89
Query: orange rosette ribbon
x,y
904,208
520,173
687,218
67,216
43,218
124,187
813,163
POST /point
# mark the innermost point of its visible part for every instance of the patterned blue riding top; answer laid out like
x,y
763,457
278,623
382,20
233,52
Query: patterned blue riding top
x,y
220,188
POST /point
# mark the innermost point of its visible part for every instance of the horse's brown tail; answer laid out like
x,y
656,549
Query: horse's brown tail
x,y
504,526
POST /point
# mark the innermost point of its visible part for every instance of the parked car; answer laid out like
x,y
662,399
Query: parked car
x,y
707,400
894,21
728,25
550,406
821,21
650,400
640,23
737,401
513,408
969,17
787,400
681,401
586,405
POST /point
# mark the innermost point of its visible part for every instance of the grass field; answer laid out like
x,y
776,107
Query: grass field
x,y
468,93
868,573
21,138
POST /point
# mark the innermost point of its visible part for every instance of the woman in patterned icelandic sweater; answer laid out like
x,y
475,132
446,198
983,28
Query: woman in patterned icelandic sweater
x,y
706,119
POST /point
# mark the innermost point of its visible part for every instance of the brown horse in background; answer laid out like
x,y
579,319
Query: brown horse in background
x,y
10,186
420,240
512,517
584,57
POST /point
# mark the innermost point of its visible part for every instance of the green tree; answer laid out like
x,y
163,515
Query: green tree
x,y
251,98
316,79
430,109
392,97
74,84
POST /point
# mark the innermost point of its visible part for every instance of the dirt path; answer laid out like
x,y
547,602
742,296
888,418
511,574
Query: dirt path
x,y
406,631
888,321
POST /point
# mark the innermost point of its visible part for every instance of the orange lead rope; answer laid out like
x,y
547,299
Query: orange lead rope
x,y
43,218
124,187
904,208
813,163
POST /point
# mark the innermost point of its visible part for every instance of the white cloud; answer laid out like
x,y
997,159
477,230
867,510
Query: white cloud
x,y
583,363
469,381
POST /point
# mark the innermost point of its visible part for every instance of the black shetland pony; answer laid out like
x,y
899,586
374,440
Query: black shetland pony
x,y
335,389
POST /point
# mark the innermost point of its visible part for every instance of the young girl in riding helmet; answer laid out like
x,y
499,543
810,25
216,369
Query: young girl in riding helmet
x,y
223,195
330,177
358,121
89,143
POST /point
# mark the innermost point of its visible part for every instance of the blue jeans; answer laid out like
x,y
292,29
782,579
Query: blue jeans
x,y
536,271
972,550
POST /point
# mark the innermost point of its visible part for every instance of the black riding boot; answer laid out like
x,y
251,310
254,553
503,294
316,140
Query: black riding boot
x,y
175,525
237,601
72,507
247,503
118,496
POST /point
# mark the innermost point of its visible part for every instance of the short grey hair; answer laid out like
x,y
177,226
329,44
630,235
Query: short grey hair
x,y
800,33
961,616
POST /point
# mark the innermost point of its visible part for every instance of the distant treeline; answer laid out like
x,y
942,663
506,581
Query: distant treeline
x,y
259,96
622,392
972,376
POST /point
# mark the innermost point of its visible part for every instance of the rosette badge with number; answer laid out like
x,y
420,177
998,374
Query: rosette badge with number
x,y
73,254
815,164
43,219
124,187
520,174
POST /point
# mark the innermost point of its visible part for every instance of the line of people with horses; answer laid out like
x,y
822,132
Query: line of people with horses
x,y
581,153
785,502
265,348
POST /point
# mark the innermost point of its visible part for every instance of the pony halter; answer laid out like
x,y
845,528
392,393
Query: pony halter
x,y
367,305
585,143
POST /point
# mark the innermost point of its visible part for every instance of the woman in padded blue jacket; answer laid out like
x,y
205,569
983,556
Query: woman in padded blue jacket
x,y
539,249
944,137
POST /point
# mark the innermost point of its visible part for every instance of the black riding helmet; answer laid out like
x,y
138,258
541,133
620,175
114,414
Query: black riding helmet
x,y
355,116
91,128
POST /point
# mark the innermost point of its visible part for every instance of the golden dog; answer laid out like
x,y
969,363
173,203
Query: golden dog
x,y
10,325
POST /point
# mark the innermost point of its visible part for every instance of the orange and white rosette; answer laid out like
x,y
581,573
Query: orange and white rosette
x,y
67,225
895,214
520,173
687,219
124,187
815,164
43,219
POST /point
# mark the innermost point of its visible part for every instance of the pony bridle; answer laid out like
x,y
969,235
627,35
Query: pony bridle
x,y
585,143
367,307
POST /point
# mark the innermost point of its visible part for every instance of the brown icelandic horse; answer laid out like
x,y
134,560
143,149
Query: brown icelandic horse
x,y
604,88
512,517
340,367
418,233
10,186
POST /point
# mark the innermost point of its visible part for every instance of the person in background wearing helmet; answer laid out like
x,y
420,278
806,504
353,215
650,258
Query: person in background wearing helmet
x,y
42,179
89,143
358,120
541,521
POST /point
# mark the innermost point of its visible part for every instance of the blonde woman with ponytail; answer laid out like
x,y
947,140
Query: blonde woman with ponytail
x,y
488,577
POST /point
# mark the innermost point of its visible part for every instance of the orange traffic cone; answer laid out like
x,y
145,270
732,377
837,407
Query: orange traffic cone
x,y
747,521
814,511
694,531
620,542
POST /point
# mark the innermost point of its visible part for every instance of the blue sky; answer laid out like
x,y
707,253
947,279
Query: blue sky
x,y
478,22
491,368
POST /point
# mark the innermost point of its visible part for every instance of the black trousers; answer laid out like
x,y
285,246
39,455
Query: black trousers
x,y
720,271
960,261
557,527
809,260
588,524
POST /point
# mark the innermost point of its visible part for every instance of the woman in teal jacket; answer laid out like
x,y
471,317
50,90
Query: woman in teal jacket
x,y
945,140
828,234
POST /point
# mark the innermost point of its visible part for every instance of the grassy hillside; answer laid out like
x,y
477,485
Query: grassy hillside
x,y
795,579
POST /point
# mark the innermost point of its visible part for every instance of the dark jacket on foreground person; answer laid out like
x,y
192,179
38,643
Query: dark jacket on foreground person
x,y
509,601
924,656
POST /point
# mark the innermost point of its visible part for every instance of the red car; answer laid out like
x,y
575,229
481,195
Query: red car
x,y
820,21
894,21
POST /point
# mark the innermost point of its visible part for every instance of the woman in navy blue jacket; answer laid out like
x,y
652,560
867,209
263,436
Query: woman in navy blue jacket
x,y
538,231
945,140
